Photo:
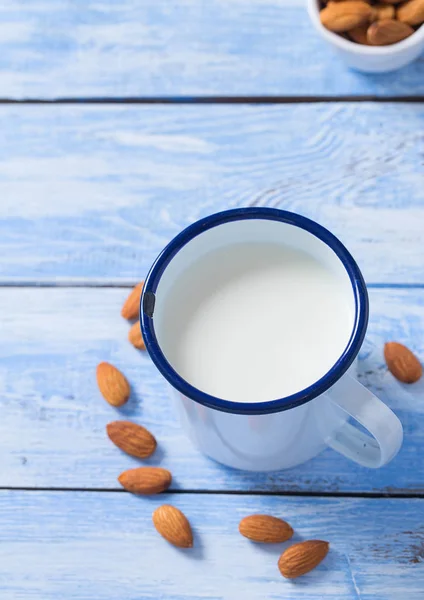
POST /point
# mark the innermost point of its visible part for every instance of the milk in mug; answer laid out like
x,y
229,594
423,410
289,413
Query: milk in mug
x,y
253,322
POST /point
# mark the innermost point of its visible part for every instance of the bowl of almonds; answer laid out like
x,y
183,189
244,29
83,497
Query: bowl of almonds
x,y
373,36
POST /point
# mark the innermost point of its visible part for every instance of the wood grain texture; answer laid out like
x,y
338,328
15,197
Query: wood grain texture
x,y
53,417
177,48
103,545
92,194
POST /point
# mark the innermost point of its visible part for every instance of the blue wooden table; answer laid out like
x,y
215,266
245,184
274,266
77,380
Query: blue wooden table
x,y
121,123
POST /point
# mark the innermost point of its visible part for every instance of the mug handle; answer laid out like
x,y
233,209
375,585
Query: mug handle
x,y
382,423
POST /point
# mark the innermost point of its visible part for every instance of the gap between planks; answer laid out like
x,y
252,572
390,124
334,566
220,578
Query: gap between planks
x,y
127,284
216,100
302,494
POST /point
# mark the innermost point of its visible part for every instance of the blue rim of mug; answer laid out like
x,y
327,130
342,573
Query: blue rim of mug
x,y
254,408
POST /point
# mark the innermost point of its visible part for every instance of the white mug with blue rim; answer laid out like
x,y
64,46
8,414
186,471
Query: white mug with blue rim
x,y
255,317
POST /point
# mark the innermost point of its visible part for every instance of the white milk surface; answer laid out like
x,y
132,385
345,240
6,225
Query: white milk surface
x,y
255,322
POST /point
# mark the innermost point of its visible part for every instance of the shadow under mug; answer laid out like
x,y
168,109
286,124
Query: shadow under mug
x,y
285,432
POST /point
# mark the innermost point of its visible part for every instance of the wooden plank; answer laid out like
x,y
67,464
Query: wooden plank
x,y
177,48
92,194
103,545
53,417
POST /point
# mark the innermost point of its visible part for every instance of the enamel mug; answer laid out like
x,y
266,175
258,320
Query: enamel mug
x,y
335,411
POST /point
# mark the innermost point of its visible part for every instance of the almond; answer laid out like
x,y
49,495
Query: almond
x,y
402,363
145,480
113,385
384,11
265,529
131,438
173,525
342,16
131,305
135,337
302,558
388,31
359,34
411,12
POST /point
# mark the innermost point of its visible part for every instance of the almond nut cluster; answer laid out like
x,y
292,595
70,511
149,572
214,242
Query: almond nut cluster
x,y
373,24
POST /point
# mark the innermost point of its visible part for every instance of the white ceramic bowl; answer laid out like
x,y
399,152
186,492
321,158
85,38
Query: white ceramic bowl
x,y
370,59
